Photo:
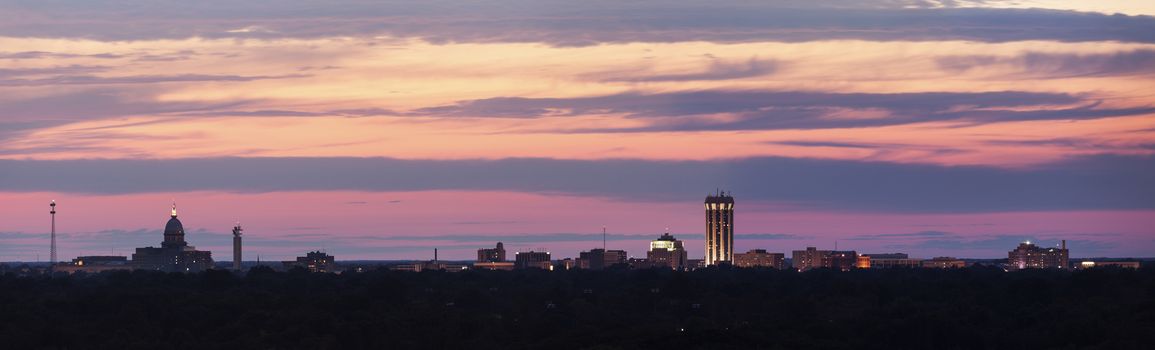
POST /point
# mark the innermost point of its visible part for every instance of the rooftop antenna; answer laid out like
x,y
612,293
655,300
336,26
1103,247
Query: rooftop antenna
x,y
52,250
603,237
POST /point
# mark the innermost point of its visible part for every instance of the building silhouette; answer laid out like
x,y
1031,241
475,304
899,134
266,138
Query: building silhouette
x,y
315,261
94,264
174,254
597,259
666,251
532,259
812,258
1030,256
496,254
760,258
719,229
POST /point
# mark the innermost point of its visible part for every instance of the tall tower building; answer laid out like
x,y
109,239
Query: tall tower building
x,y
237,247
719,229
52,251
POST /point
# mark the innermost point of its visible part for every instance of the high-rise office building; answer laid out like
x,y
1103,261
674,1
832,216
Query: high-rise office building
x,y
667,251
1030,256
719,229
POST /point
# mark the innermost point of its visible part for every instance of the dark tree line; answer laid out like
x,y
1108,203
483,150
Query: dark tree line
x,y
974,308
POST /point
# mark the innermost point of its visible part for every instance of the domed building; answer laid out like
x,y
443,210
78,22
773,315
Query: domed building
x,y
174,254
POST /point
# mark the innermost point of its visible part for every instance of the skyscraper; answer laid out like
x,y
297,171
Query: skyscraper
x,y
719,229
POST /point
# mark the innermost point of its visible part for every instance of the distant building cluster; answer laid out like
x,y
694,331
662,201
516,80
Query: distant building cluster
x,y
666,251
1030,256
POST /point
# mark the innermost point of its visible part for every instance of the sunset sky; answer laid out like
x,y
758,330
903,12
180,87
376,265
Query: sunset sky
x,y
384,129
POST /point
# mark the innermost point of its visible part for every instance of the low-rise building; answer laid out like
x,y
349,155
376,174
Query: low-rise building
x,y
94,264
892,260
532,259
493,265
312,261
1115,264
597,259
944,262
812,258
760,258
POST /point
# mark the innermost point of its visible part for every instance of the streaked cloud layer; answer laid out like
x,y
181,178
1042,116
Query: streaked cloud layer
x,y
883,108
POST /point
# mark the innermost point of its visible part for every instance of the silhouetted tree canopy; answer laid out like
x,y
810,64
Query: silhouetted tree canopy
x,y
974,308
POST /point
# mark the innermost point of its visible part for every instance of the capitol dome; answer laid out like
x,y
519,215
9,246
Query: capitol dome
x,y
174,231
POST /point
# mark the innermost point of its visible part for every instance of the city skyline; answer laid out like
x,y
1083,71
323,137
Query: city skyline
x,y
575,242
385,130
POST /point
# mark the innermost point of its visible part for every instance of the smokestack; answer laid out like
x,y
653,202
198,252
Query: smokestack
x,y
1064,244
434,254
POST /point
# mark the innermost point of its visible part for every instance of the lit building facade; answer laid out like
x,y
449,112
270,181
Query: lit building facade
x,y
719,229
174,254
944,262
1110,264
493,265
760,258
892,260
532,259
843,260
1030,256
94,264
666,251
496,254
